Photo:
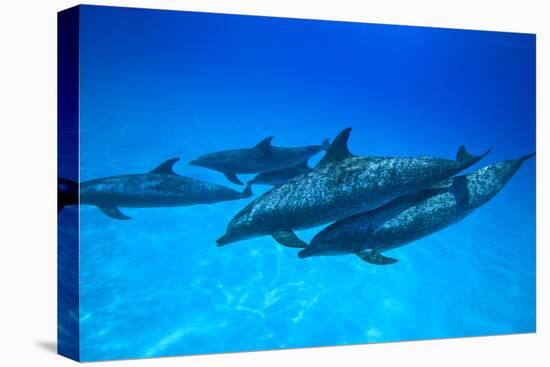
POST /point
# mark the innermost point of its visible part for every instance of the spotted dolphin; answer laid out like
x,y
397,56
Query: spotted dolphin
x,y
341,185
410,218
161,187
263,157
279,177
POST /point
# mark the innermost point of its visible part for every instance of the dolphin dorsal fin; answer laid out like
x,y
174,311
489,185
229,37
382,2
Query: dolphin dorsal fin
x,y
264,145
338,150
166,167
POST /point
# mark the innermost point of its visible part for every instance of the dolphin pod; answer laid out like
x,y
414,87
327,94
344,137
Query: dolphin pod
x,y
412,217
372,204
263,157
341,185
161,187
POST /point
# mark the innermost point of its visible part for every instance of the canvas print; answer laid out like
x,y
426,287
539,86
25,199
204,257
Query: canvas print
x,y
239,183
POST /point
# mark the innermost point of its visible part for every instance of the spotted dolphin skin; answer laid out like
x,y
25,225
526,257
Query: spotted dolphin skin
x,y
410,218
279,177
161,187
263,157
341,185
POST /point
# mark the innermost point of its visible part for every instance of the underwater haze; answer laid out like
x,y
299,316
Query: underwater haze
x,y
161,84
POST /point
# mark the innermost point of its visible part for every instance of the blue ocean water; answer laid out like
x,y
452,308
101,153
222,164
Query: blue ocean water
x,y
157,84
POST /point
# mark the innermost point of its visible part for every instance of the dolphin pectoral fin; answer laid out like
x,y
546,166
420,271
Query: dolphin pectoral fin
x,y
375,257
233,178
113,212
288,239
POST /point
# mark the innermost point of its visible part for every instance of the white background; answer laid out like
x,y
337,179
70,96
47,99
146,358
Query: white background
x,y
28,182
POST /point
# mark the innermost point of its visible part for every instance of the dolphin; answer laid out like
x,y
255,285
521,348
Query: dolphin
x,y
410,218
67,193
339,186
279,177
263,157
161,187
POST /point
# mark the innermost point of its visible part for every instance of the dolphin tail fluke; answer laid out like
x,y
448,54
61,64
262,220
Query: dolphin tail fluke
x,y
376,258
466,159
288,239
233,178
223,240
325,144
519,161
62,203
526,157
307,252
247,192
67,193
113,212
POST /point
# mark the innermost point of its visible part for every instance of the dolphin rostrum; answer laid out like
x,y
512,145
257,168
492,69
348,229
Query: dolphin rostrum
x,y
263,157
279,177
339,186
412,217
161,187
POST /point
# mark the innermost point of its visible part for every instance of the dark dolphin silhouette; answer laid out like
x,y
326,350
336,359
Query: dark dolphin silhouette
x,y
339,186
279,177
67,193
161,187
410,218
263,157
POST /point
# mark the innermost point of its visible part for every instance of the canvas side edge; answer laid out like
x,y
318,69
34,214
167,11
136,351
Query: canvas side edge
x,y
68,302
